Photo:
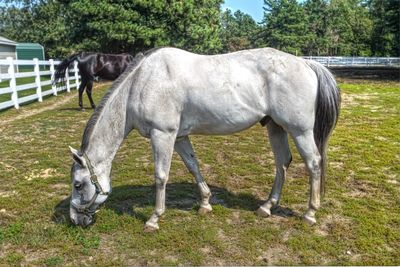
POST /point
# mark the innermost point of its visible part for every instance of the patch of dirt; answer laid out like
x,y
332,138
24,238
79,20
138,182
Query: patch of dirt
x,y
297,170
6,214
8,193
7,166
348,100
274,255
222,157
353,100
235,219
336,165
43,174
327,225
381,138
360,189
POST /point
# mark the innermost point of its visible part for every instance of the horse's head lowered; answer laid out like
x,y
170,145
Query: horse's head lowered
x,y
87,193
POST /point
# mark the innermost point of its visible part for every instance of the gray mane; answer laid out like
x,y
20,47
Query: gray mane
x,y
113,89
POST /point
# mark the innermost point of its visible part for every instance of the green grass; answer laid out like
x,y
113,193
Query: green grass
x,y
358,224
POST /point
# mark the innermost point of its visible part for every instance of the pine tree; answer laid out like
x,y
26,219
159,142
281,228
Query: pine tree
x,y
285,26
238,31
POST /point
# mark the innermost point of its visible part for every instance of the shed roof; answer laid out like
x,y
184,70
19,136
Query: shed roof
x,y
21,46
6,41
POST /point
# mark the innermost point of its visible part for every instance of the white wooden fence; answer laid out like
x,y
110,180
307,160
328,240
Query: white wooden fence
x,y
357,61
14,87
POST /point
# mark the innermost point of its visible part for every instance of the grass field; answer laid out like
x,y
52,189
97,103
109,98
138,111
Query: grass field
x,y
358,224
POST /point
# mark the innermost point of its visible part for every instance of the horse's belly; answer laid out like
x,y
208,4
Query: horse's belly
x,y
218,123
224,109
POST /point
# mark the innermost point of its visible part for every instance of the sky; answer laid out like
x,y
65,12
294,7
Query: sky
x,y
252,7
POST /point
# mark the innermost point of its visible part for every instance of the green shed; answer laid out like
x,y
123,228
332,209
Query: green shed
x,y
29,51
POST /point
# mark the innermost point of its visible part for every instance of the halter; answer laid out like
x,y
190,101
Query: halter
x,y
86,207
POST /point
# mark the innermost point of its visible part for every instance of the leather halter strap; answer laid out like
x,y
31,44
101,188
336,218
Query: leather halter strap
x,y
86,207
93,176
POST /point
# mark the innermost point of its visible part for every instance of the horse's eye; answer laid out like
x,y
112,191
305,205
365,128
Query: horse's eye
x,y
78,185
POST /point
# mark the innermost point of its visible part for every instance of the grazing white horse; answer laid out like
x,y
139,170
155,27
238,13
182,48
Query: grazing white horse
x,y
168,94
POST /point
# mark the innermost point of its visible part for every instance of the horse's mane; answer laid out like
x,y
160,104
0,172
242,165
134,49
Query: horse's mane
x,y
99,109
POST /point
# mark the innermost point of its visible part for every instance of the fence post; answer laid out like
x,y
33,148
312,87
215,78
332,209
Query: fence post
x,y
76,72
52,71
13,82
329,59
67,80
37,79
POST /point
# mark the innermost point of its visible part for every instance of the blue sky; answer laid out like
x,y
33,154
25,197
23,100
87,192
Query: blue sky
x,y
252,7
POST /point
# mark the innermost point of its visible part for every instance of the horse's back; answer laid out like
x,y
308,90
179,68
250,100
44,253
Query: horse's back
x,y
106,66
220,94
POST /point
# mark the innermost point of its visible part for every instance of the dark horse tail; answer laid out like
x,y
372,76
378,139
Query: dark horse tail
x,y
327,112
59,74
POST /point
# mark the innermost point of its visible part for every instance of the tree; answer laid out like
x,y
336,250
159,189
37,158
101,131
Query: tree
x,y
386,28
317,13
34,21
285,25
194,25
349,28
67,26
239,31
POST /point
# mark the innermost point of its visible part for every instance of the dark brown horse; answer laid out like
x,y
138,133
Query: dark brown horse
x,y
92,65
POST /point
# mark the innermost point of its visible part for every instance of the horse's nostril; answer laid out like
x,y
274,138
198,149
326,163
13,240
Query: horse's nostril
x,y
74,220
87,220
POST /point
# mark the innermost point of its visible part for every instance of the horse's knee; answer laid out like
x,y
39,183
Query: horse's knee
x,y
161,178
314,165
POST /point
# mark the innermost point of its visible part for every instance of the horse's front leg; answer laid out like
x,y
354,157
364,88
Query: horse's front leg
x,y
163,146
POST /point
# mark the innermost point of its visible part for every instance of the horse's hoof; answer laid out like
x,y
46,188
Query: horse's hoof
x,y
263,212
150,228
205,210
93,107
82,109
310,220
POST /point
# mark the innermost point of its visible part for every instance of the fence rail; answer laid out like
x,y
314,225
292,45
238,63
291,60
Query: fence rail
x,y
11,83
357,61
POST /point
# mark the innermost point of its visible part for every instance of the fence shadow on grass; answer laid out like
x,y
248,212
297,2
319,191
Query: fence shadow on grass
x,y
75,109
182,196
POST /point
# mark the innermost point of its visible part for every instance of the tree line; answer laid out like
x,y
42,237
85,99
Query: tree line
x,y
313,27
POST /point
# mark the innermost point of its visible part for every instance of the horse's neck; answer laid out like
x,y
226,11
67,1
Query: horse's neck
x,y
109,130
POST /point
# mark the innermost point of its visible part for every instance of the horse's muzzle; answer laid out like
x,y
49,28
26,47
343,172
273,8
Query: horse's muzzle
x,y
81,219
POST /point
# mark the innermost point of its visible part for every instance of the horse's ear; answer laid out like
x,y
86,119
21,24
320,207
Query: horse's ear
x,y
78,158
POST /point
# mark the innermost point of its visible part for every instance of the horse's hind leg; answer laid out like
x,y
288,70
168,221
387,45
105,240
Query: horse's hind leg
x,y
81,89
89,93
309,152
184,148
280,146
163,147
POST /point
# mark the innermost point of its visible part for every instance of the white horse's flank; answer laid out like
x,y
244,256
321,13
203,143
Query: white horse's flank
x,y
169,94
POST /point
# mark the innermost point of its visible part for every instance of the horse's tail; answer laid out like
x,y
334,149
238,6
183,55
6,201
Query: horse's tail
x,y
59,74
327,112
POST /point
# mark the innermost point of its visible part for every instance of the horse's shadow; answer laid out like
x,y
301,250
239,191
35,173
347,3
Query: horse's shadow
x,y
129,199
